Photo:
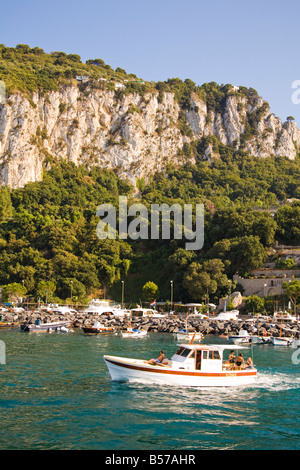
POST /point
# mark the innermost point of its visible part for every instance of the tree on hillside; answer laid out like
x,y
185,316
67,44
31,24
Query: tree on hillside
x,y
246,253
254,304
45,290
288,222
203,280
292,290
13,292
150,291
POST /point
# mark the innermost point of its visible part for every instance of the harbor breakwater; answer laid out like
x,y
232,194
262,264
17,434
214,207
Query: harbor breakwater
x,y
165,324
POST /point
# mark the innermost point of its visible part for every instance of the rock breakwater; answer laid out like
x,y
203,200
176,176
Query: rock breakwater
x,y
165,324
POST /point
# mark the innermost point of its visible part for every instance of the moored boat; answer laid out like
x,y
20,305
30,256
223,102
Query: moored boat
x,y
145,312
98,329
230,315
242,338
285,317
193,365
255,339
103,307
7,324
187,336
281,341
39,327
133,333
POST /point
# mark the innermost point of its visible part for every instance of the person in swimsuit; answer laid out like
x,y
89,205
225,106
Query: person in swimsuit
x,y
240,361
158,360
249,363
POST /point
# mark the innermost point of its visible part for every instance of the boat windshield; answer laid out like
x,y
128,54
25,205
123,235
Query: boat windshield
x,y
183,352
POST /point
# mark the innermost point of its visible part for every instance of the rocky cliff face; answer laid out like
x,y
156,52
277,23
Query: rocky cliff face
x,y
133,134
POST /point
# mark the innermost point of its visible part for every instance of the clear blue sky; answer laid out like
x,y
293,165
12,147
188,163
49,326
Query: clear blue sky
x,y
251,43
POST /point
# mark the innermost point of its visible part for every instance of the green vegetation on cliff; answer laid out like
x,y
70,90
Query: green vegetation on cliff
x,y
29,70
48,241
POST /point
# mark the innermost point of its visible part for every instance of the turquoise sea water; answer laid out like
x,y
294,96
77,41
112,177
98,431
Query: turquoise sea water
x,y
56,393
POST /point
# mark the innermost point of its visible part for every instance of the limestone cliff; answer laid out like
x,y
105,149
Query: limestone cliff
x,y
133,134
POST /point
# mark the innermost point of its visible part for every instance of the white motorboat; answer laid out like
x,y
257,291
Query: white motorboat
x,y
187,336
105,307
242,337
133,333
255,339
39,327
145,312
193,365
281,341
284,317
231,315
98,329
63,310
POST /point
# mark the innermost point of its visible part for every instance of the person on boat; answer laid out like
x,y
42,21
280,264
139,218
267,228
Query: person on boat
x,y
231,357
249,363
240,361
158,360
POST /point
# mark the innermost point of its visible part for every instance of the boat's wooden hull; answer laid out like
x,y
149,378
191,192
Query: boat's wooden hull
x,y
124,369
4,325
98,331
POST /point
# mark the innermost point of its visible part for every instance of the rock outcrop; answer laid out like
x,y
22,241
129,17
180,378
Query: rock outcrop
x,y
133,134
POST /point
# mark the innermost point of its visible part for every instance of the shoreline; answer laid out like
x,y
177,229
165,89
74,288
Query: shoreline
x,y
167,324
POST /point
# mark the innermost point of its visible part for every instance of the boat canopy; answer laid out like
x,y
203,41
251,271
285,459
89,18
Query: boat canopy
x,y
213,346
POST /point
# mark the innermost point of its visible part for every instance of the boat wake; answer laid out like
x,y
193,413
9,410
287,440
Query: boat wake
x,y
277,381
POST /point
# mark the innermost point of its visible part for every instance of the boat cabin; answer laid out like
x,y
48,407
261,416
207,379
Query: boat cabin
x,y
145,312
204,358
141,312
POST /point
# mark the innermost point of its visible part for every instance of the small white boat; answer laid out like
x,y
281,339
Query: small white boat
x,y
193,365
98,328
187,336
39,327
231,315
255,339
145,312
242,337
285,317
104,307
281,341
60,309
133,333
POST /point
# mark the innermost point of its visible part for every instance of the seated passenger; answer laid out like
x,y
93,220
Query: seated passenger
x,y
231,359
240,361
158,360
249,363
